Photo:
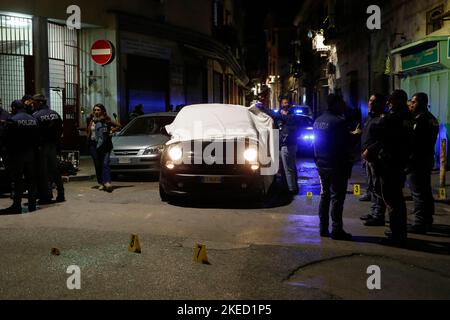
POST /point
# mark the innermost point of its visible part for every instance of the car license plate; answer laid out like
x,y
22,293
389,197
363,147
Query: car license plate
x,y
124,160
212,179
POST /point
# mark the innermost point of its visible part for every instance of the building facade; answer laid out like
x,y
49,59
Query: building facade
x,y
409,51
166,54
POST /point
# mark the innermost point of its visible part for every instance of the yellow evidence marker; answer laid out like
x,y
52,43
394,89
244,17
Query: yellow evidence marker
x,y
442,194
309,195
200,254
357,190
134,245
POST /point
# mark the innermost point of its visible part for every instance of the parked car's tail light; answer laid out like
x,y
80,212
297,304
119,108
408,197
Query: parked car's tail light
x,y
251,154
175,153
154,150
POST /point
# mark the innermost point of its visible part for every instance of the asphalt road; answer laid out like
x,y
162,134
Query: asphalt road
x,y
268,251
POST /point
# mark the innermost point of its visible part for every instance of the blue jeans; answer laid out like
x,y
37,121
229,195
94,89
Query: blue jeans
x,y
97,164
103,159
334,190
378,211
288,155
420,184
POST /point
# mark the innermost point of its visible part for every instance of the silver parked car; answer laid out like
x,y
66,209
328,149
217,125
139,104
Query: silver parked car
x,y
138,146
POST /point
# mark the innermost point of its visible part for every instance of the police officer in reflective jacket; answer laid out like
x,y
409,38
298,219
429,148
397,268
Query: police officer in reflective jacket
x,y
21,136
390,152
426,130
332,154
50,127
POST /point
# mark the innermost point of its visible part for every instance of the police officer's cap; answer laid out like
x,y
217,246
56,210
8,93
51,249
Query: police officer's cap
x,y
17,104
39,97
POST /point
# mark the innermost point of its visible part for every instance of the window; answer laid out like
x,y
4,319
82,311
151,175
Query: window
x,y
16,35
16,44
218,14
434,24
147,126
63,64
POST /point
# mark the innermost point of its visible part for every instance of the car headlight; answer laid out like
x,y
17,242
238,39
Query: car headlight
x,y
154,150
251,155
175,153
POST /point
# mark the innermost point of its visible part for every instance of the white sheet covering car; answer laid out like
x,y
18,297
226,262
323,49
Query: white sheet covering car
x,y
218,148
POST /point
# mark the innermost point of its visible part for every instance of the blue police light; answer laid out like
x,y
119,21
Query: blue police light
x,y
276,110
308,137
298,111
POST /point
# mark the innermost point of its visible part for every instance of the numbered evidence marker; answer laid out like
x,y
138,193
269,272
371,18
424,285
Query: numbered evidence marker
x,y
442,194
357,190
134,245
309,195
200,254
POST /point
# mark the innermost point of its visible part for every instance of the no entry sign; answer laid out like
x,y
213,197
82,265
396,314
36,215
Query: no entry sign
x,y
102,52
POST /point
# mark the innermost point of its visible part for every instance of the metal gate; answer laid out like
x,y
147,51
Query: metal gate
x,y
16,34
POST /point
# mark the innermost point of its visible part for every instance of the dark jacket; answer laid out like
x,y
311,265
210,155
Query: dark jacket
x,y
4,116
425,132
50,125
367,137
289,128
332,146
393,141
21,133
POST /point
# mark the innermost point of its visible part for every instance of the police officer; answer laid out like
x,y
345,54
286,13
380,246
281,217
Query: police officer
x,y
377,215
426,130
21,136
4,116
50,127
390,151
286,121
332,154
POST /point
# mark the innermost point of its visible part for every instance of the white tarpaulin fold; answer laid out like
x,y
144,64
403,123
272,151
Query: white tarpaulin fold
x,y
223,122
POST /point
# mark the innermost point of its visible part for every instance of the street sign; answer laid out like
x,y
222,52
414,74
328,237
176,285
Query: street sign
x,y
102,52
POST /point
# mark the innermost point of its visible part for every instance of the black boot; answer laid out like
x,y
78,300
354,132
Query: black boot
x,y
418,229
60,198
14,209
324,232
341,235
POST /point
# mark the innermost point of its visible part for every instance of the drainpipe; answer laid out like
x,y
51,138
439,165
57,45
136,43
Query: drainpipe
x,y
40,52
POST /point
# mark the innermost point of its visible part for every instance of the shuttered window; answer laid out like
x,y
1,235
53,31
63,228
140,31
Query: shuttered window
x,y
16,34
